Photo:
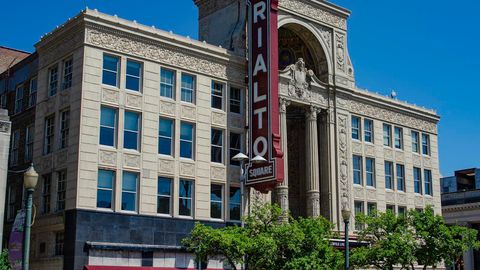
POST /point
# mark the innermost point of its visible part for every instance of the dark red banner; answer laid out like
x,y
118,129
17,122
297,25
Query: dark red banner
x,y
263,89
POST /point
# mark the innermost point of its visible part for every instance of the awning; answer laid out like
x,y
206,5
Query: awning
x,y
95,267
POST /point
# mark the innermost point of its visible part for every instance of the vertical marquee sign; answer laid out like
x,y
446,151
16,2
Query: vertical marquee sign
x,y
263,91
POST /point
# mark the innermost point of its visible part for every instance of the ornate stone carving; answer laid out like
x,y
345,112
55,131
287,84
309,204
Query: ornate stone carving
x,y
370,150
107,157
417,161
343,159
427,162
418,201
399,157
5,126
357,148
284,103
388,154
162,52
313,203
340,51
188,112
130,160
236,121
167,107
390,197
109,95
401,198
371,194
187,169
217,173
300,80
133,101
314,12
219,118
311,113
429,201
390,116
166,166
358,193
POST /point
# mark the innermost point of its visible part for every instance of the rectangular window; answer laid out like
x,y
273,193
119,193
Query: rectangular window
x,y
19,99
32,96
217,95
165,136
216,201
235,203
235,100
12,199
388,175
427,176
129,191
67,73
3,100
402,210
217,146
185,198
29,136
391,208
111,68
108,126
370,171
61,190
48,134
164,196
106,179
358,211
59,240
387,135
235,147
398,138
356,128
131,131
417,180
400,177
46,195
368,129
134,76
415,142
188,88
64,128
425,144
52,81
357,170
15,147
371,208
167,83
186,140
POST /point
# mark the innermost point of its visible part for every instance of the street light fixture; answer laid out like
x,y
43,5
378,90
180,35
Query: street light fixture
x,y
241,157
346,213
30,179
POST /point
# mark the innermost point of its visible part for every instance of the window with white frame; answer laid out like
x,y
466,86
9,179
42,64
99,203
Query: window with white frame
x,y
217,95
357,170
368,130
61,189
67,73
15,147
186,140
185,205
108,126
388,175
110,71
398,137
425,144
133,80
427,176
52,80
131,131
216,201
235,100
235,147
164,196
165,136
415,141
387,135
417,180
188,88
64,128
19,99
400,177
49,129
216,145
235,203
370,171
105,189
46,193
32,95
167,83
356,127
129,191
359,210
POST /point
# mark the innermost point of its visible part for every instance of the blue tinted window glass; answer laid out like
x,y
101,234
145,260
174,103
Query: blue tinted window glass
x,y
186,132
133,68
131,121
105,179
110,62
164,186
107,117
129,181
104,198
165,128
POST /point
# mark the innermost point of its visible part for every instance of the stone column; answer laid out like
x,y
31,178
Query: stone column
x,y
282,189
5,127
313,194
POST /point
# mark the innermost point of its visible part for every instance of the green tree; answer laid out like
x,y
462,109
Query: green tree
x,y
4,263
267,242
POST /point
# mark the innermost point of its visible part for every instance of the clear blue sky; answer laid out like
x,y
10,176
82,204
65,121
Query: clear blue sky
x,y
426,50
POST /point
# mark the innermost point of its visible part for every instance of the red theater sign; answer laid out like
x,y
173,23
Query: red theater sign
x,y
263,89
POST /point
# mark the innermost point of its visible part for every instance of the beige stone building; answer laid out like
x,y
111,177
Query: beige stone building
x,y
136,128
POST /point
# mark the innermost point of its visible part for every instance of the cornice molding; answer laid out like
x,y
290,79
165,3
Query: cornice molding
x,y
314,10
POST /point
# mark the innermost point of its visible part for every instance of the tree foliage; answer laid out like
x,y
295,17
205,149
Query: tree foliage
x,y
268,243
4,263
417,238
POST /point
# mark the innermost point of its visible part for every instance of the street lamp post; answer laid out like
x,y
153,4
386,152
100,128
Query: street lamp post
x,y
30,179
346,219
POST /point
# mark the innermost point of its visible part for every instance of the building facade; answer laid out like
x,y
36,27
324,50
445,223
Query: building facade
x,y
461,206
135,129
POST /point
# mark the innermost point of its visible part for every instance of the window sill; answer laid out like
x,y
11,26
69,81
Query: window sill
x,y
358,185
217,220
134,92
189,104
371,187
168,99
128,212
189,160
164,215
131,151
107,210
218,110
163,156
185,217
107,86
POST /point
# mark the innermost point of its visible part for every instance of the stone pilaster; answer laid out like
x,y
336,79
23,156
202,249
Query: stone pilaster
x,y
313,194
5,128
282,189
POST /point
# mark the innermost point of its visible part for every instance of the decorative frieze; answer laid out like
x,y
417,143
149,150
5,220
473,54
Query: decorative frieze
x,y
132,100
167,107
217,173
314,12
187,169
219,119
340,51
5,126
343,160
110,96
107,157
131,160
188,112
166,166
